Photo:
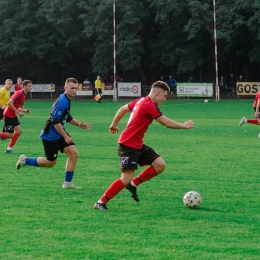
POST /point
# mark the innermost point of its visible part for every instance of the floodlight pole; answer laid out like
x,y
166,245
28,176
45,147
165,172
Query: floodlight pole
x,y
217,96
114,43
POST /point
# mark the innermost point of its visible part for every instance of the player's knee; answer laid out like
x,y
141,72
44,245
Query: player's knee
x,y
74,156
126,177
159,164
50,164
161,167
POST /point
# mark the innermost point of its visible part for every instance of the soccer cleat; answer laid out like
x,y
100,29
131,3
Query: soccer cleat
x,y
243,120
9,151
133,190
100,206
20,162
3,138
69,185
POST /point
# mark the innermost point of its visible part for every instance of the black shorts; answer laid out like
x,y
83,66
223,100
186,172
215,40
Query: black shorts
x,y
130,157
10,123
52,148
258,113
98,91
1,113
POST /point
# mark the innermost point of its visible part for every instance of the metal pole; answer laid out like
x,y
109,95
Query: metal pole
x,y
114,42
217,96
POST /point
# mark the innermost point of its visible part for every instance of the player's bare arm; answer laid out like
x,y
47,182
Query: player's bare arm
x,y
2,106
11,105
83,125
120,113
169,123
26,110
257,108
60,130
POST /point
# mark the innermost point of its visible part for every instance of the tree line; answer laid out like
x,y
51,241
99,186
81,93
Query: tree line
x,y
50,40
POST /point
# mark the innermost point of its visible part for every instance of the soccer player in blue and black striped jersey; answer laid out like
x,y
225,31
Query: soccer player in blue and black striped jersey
x,y
55,138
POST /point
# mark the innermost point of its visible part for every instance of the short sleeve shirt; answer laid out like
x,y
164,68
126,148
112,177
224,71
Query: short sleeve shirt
x,y
60,112
144,111
4,95
256,99
17,87
18,97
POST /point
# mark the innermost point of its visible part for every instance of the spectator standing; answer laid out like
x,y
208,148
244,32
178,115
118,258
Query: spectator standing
x,y
240,78
18,85
172,83
222,85
232,83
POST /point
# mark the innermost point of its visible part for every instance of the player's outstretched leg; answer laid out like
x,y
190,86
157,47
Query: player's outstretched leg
x,y
243,121
20,162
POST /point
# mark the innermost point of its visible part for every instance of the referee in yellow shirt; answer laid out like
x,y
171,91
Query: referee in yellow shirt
x,y
4,98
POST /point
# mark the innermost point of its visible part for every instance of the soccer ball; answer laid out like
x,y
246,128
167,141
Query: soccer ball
x,y
192,199
206,101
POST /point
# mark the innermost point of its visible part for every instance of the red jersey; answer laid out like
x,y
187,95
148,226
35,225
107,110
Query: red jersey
x,y
17,87
144,111
256,99
18,97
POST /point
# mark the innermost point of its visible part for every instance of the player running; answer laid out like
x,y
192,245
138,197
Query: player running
x,y
131,149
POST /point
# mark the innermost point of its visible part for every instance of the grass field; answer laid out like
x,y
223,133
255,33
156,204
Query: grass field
x,y
219,159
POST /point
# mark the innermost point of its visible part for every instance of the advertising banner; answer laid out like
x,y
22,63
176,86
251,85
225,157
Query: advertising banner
x,y
40,88
129,89
247,88
194,90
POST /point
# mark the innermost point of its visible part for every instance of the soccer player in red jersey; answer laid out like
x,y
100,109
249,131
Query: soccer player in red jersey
x,y
131,149
14,108
256,107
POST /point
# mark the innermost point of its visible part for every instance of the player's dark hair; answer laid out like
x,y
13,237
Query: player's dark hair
x,y
26,81
71,80
162,85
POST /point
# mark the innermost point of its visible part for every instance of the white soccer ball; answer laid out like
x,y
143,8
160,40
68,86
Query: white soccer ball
x,y
206,101
192,199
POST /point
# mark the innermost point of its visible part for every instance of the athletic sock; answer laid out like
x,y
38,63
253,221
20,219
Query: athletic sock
x,y
4,135
252,121
68,176
31,162
145,175
13,140
112,191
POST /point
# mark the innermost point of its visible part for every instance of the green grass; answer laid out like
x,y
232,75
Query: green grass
x,y
218,159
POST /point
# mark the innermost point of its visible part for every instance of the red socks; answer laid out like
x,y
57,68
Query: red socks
x,y
252,121
118,185
4,135
112,190
145,175
14,139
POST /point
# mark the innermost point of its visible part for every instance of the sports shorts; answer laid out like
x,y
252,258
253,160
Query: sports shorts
x,y
1,113
258,113
130,157
52,148
10,123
